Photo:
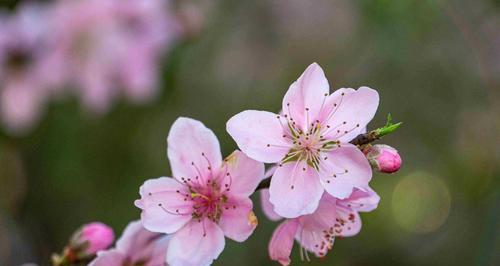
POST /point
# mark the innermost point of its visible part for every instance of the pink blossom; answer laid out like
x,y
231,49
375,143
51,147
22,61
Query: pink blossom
x,y
309,142
97,236
206,199
267,207
316,232
136,246
23,86
109,48
384,158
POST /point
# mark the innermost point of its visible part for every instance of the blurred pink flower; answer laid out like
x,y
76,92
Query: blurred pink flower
x,y
384,158
110,48
136,246
310,142
207,199
97,236
316,232
23,85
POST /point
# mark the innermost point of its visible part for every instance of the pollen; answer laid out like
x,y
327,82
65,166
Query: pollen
x,y
252,219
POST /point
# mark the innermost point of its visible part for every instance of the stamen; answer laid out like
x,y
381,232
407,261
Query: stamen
x,y
336,107
209,164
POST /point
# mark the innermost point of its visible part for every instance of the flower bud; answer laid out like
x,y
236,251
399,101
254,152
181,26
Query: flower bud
x,y
84,245
95,237
384,158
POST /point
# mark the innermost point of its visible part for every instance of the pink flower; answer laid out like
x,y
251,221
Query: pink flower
x,y
384,158
109,48
316,232
309,142
95,236
136,246
206,200
23,86
267,207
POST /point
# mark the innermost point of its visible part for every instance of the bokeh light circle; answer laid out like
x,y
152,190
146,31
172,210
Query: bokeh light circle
x,y
421,202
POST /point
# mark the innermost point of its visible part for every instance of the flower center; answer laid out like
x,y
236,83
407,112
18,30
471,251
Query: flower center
x,y
308,145
208,201
207,192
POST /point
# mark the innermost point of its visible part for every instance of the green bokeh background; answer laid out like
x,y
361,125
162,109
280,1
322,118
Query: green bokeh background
x,y
436,65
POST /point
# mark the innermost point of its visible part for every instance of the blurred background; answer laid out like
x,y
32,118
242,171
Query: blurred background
x,y
89,89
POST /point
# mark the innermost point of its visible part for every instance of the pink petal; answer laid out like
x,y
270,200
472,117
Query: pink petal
x,y
259,135
192,149
345,168
281,244
355,108
267,207
159,253
315,241
242,173
350,224
140,244
295,189
324,216
316,231
309,91
364,201
163,207
197,243
238,220
109,258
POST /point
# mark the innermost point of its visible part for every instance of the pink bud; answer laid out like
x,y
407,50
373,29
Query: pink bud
x,y
98,236
384,158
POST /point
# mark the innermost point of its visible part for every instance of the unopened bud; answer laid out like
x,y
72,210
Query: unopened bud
x,y
94,237
384,158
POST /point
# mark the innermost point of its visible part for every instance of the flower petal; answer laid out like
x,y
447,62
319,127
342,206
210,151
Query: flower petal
x,y
197,243
109,258
303,100
259,135
267,207
316,231
344,169
350,112
133,232
348,222
159,253
364,201
281,244
242,174
315,241
238,220
295,189
192,149
324,216
140,244
164,209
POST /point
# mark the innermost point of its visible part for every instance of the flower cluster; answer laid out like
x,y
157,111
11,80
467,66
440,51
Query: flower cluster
x,y
318,181
98,50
